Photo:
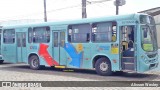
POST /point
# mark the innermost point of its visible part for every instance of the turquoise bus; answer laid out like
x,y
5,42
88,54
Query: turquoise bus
x,y
125,43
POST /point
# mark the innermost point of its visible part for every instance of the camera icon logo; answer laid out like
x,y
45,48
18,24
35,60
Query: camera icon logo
x,y
6,84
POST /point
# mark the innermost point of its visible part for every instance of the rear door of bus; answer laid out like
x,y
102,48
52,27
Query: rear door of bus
x,y
58,43
21,45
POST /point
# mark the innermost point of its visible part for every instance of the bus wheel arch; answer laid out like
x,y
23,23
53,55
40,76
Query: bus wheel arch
x,y
102,65
33,61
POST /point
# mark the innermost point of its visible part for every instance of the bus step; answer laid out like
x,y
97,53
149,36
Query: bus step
x,y
128,59
131,71
60,66
128,66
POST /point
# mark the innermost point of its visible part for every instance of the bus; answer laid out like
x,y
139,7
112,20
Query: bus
x,y
126,43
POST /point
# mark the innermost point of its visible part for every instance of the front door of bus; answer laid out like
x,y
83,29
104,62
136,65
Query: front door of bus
x,y
58,50
21,46
127,40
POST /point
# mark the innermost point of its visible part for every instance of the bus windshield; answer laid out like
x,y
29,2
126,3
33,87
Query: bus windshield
x,y
148,31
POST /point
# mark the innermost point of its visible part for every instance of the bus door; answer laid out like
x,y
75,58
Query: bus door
x,y
58,50
21,46
127,45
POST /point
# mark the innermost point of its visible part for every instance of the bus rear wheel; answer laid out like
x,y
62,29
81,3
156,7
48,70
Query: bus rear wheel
x,y
103,67
34,62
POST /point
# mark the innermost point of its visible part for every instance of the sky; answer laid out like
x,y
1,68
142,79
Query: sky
x,y
67,9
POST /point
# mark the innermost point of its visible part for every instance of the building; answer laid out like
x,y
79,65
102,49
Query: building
x,y
155,12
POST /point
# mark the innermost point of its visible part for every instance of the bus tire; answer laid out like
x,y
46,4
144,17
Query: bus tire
x,y
103,67
34,62
1,61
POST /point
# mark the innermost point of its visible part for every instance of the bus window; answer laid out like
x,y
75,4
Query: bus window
x,y
69,34
9,36
55,39
40,35
30,35
24,40
101,32
114,31
79,33
62,39
144,19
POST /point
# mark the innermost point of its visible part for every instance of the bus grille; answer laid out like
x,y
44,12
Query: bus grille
x,y
152,56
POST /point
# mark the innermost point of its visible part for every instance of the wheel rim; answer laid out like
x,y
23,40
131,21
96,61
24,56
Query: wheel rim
x,y
103,66
35,62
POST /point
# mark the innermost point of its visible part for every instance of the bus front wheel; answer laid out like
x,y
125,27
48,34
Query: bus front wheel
x,y
103,67
34,62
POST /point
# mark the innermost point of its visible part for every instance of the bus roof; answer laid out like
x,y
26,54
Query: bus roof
x,y
86,20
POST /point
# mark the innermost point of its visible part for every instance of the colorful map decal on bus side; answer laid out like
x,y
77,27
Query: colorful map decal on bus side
x,y
74,54
47,57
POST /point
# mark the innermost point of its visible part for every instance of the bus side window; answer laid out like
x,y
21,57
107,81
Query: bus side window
x,y
114,32
69,34
12,36
24,40
4,36
47,34
55,39
34,40
93,37
13,40
9,36
69,38
41,35
94,29
88,37
30,35
62,39
79,33
102,32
